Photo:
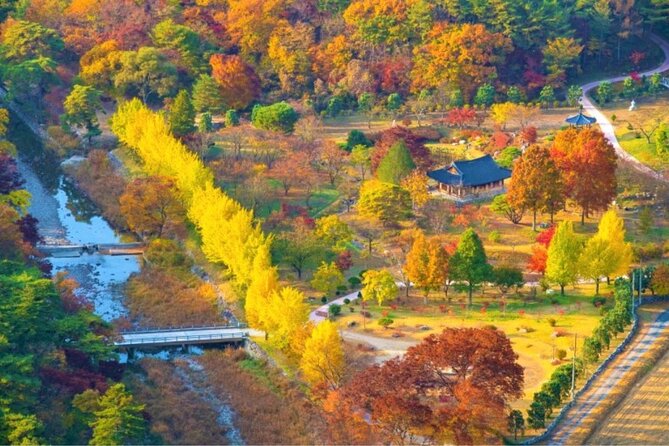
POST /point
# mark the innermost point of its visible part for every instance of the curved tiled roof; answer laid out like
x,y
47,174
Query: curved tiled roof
x,y
476,172
581,119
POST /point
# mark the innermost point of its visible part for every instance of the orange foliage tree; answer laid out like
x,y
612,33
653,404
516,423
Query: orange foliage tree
x,y
451,388
238,81
426,264
463,56
251,22
536,183
292,170
588,164
151,205
331,58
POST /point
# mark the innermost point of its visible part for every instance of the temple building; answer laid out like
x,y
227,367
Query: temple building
x,y
470,180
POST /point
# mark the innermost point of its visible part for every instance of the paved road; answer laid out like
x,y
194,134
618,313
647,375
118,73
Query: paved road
x,y
604,123
582,411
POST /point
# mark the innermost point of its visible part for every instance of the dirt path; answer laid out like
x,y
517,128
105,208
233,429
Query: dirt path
x,y
611,386
388,348
607,127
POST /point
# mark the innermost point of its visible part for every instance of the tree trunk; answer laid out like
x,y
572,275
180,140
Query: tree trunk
x,y
471,292
561,290
534,219
597,286
583,217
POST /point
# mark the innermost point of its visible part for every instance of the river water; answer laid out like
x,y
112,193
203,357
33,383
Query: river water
x,y
66,216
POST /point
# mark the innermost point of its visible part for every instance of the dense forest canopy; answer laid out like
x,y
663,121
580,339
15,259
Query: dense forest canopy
x,y
200,122
326,52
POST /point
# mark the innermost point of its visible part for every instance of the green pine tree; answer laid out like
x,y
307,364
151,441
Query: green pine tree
x,y
485,95
547,96
513,94
456,99
662,140
205,125
231,118
182,115
207,95
396,165
118,419
536,415
469,262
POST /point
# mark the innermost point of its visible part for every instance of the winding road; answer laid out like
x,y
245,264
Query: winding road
x,y
584,411
605,124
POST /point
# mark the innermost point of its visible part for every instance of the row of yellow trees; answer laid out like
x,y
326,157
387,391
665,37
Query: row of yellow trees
x,y
230,235
605,254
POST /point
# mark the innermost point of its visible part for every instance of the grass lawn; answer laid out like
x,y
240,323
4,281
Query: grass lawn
x,y
286,364
320,202
648,110
339,127
538,327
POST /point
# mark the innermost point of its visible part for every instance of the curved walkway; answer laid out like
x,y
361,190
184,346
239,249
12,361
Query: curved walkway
x,y
583,416
607,127
387,347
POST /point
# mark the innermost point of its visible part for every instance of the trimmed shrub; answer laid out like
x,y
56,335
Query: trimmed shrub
x,y
279,117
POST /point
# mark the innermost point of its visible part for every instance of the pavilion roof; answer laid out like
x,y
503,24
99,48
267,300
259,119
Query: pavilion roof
x,y
581,119
476,172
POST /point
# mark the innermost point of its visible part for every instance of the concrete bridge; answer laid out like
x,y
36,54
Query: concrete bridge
x,y
112,249
226,334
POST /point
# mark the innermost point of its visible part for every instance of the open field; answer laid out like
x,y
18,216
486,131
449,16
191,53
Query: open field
x,y
641,416
538,328
649,110
547,120
613,385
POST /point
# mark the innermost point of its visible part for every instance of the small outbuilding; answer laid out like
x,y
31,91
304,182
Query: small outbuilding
x,y
580,120
470,180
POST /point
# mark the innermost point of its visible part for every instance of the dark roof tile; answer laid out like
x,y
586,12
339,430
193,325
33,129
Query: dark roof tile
x,y
474,172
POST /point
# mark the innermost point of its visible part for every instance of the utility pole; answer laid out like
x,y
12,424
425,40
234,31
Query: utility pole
x,y
362,311
633,277
573,370
639,283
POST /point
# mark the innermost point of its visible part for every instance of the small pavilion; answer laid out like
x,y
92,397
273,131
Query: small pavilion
x,y
580,120
470,180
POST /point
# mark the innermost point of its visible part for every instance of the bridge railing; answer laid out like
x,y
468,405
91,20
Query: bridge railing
x,y
187,338
182,328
